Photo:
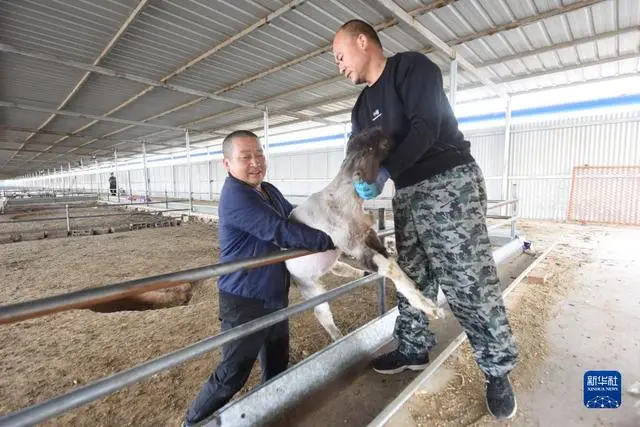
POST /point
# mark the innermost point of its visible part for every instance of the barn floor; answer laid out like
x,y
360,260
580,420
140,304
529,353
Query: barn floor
x,y
45,357
583,318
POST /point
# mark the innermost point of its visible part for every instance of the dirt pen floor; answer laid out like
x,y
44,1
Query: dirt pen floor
x,y
45,357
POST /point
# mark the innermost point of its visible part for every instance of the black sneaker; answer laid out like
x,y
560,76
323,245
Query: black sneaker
x,y
500,400
394,362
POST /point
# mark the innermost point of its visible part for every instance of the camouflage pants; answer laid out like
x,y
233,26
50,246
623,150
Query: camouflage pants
x,y
442,239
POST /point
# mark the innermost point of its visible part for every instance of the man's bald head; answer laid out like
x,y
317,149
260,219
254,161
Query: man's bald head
x,y
227,143
358,52
355,27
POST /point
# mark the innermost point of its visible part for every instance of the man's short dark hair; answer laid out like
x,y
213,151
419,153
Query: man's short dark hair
x,y
227,143
358,26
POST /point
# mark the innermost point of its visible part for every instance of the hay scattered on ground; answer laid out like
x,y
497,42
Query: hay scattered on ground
x,y
48,356
530,308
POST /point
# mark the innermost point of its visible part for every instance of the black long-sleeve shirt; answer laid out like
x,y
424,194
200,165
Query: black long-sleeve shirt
x,y
409,102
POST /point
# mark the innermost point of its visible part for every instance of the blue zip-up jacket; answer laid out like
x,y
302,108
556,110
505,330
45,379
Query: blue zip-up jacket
x,y
252,225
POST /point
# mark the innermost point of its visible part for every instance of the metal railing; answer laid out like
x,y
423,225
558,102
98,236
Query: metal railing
x,y
67,217
88,297
93,391
509,219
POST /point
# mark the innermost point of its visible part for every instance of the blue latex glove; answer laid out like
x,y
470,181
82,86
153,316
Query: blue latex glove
x,y
368,191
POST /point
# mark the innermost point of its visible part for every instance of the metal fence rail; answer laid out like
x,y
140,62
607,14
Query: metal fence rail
x,y
61,218
87,297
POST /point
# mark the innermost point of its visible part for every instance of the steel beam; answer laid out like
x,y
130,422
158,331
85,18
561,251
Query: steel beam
x,y
33,151
132,16
346,140
404,16
272,112
9,104
516,78
125,76
69,135
260,23
546,72
390,23
554,47
380,26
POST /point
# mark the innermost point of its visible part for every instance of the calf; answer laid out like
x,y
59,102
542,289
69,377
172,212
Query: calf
x,y
338,211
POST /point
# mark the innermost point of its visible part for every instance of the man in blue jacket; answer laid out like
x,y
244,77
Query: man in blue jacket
x,y
253,222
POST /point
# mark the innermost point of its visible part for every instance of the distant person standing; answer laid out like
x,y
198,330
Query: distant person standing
x,y
112,184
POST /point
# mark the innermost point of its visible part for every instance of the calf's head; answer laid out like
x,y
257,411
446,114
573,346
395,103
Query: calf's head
x,y
365,153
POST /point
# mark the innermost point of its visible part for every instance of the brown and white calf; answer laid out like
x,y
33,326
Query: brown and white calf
x,y
338,211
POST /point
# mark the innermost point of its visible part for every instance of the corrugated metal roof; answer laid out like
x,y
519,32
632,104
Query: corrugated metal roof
x,y
35,82
76,30
526,44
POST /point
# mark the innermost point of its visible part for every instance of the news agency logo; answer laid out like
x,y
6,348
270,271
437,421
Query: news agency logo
x,y
602,389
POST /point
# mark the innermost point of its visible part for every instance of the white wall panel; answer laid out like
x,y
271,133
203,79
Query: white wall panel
x,y
160,181
544,154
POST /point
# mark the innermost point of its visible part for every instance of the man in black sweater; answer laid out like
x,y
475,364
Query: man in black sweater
x,y
439,208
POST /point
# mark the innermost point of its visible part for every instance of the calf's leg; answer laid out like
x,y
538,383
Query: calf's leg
x,y
345,270
309,288
388,267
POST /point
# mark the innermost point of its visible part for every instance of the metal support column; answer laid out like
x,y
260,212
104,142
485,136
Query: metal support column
x,y
115,157
266,142
346,138
97,177
174,180
130,187
453,83
83,178
507,152
381,225
186,137
514,208
145,174
210,173
70,191
66,210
